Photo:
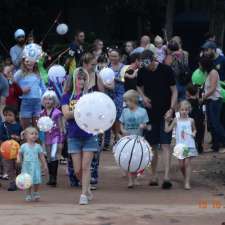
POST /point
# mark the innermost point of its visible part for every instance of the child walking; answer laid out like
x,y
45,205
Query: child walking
x,y
133,121
10,129
185,134
30,156
53,139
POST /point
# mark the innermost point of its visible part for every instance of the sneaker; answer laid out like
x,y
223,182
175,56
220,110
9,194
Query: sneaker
x,y
90,195
36,196
5,177
167,184
12,187
83,200
28,198
93,187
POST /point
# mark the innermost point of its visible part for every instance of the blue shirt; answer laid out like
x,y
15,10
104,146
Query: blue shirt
x,y
16,55
219,63
8,129
132,120
33,81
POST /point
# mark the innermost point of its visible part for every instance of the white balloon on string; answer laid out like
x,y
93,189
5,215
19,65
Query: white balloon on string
x,y
62,29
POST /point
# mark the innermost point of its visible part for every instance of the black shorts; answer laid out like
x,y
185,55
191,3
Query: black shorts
x,y
157,135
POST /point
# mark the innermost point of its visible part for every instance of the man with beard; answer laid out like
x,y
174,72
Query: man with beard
x,y
210,50
16,50
76,51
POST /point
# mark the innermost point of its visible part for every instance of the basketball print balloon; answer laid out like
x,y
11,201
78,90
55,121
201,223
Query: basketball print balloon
x,y
9,149
133,153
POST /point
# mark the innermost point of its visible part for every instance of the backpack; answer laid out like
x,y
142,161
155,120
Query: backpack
x,y
181,69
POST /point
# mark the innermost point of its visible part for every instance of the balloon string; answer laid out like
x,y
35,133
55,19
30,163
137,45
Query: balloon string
x,y
52,25
59,56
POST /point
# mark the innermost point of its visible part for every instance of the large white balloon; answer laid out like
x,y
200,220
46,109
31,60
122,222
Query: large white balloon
x,y
95,112
57,73
23,181
107,76
32,52
45,123
62,29
181,151
133,153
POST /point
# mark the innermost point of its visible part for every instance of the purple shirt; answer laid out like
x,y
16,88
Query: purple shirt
x,y
54,135
71,126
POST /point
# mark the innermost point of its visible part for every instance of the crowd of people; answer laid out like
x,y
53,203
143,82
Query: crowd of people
x,y
153,95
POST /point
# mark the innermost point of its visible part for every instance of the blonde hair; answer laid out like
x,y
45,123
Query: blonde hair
x,y
185,103
50,94
28,130
131,95
158,39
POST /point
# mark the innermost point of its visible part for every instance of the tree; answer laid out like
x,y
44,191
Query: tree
x,y
170,8
217,20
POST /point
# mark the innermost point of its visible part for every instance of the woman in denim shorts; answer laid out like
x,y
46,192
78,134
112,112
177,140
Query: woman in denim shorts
x,y
81,145
33,87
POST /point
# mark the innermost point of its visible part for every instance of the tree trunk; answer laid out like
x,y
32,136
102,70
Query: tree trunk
x,y
170,8
217,21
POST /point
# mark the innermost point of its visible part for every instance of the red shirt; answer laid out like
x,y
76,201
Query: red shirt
x,y
14,93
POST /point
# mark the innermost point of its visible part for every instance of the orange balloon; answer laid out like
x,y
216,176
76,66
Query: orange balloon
x,y
9,149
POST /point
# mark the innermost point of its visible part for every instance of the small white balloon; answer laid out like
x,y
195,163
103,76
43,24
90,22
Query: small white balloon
x,y
62,29
107,76
95,112
180,151
23,181
45,123
132,153
32,52
57,73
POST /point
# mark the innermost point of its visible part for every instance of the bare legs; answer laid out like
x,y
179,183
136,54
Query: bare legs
x,y
185,166
82,164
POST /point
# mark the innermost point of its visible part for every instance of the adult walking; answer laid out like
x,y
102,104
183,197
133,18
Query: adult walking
x,y
213,101
156,85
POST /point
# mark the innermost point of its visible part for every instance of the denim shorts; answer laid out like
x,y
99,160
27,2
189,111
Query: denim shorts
x,y
157,135
82,144
30,107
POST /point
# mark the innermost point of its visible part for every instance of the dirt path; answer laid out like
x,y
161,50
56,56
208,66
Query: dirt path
x,y
114,204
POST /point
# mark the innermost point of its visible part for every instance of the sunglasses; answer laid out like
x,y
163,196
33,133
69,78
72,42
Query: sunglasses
x,y
145,62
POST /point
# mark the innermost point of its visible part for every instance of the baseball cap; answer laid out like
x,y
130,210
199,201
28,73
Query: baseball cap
x,y
209,44
19,33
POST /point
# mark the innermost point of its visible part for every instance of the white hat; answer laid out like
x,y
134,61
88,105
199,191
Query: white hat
x,y
19,33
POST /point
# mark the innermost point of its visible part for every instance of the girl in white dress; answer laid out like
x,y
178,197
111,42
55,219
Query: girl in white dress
x,y
185,134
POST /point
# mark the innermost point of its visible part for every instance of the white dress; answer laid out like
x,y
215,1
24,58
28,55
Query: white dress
x,y
184,136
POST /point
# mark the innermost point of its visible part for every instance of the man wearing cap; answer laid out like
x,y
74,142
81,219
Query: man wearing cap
x,y
210,49
16,50
157,87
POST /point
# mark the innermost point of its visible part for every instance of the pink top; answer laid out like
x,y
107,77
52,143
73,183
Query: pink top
x,y
54,135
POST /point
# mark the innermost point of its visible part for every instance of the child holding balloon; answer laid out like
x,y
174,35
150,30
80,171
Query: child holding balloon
x,y
29,156
185,135
133,121
10,129
53,139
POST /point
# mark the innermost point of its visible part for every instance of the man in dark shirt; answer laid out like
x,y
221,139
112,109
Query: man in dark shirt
x,y
156,85
76,50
